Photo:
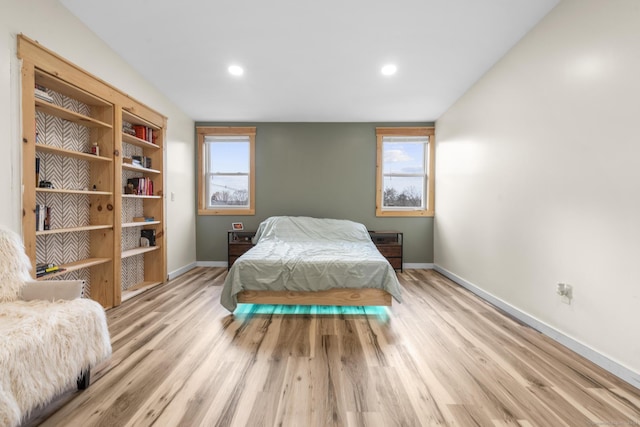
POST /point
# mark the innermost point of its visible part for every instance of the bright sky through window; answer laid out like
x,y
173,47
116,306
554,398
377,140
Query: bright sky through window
x,y
228,183
404,171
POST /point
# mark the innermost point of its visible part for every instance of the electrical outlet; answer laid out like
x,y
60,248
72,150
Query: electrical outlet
x,y
565,291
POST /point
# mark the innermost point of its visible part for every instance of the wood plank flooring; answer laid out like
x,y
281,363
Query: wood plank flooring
x,y
442,358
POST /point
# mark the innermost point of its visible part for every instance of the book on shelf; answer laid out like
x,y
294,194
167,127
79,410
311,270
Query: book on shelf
x,y
145,133
139,186
43,217
142,132
149,235
143,219
41,93
143,161
45,268
128,128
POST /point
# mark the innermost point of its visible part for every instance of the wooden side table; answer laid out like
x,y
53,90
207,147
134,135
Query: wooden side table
x,y
389,243
238,242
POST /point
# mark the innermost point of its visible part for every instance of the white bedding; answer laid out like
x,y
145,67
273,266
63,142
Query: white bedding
x,y
309,254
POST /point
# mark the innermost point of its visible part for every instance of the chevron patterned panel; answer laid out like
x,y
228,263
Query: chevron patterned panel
x,y
84,212
131,208
132,271
70,136
71,244
125,283
67,210
70,211
126,174
129,150
41,249
51,169
53,131
130,238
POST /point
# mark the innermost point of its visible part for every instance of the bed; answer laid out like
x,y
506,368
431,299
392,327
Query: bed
x,y
309,261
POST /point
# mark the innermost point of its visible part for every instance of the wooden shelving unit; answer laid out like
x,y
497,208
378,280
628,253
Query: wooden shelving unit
x,y
90,211
66,191
70,153
148,259
138,251
74,266
140,169
70,116
139,224
73,229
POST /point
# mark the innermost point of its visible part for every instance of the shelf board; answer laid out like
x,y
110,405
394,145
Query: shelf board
x,y
71,153
63,113
139,224
65,191
73,229
135,120
138,168
138,251
136,196
51,82
77,265
130,139
137,289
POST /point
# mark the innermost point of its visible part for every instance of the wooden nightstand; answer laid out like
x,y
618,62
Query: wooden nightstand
x,y
389,243
238,242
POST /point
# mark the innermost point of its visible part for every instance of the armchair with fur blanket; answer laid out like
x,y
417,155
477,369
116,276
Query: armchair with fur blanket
x,y
49,336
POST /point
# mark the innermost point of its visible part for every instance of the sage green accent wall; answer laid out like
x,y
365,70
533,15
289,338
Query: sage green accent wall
x,y
323,170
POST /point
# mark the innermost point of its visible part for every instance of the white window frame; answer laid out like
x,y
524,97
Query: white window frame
x,y
204,205
429,186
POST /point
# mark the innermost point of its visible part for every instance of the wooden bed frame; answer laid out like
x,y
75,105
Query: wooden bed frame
x,y
338,297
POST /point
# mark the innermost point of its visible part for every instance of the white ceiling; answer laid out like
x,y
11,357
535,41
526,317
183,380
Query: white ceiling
x,y
311,61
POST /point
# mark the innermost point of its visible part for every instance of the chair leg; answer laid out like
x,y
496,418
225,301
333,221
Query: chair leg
x,y
84,379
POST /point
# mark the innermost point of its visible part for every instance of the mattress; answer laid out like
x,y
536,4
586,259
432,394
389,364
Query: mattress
x,y
309,254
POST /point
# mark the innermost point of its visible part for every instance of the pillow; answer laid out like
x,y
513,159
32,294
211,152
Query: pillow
x,y
14,265
307,229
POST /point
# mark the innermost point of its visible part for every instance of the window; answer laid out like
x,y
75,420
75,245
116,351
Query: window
x,y
226,159
404,169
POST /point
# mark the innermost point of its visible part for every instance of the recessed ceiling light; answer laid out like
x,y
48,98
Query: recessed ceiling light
x,y
389,69
236,70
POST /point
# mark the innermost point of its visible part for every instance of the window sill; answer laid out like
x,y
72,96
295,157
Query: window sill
x,y
227,212
394,213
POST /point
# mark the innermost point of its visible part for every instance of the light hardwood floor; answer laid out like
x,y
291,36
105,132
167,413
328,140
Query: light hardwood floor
x,y
443,357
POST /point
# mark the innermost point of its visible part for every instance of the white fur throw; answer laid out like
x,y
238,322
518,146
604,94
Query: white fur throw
x,y
44,346
15,265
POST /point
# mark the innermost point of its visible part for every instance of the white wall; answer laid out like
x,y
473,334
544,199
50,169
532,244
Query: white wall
x,y
538,179
55,28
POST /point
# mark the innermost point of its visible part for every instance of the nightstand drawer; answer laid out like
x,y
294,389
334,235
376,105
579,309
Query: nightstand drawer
x,y
396,263
390,250
238,249
389,243
238,242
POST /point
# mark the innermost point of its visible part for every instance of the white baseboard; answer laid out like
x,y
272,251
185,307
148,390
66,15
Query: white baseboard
x,y
417,265
181,270
211,264
583,350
